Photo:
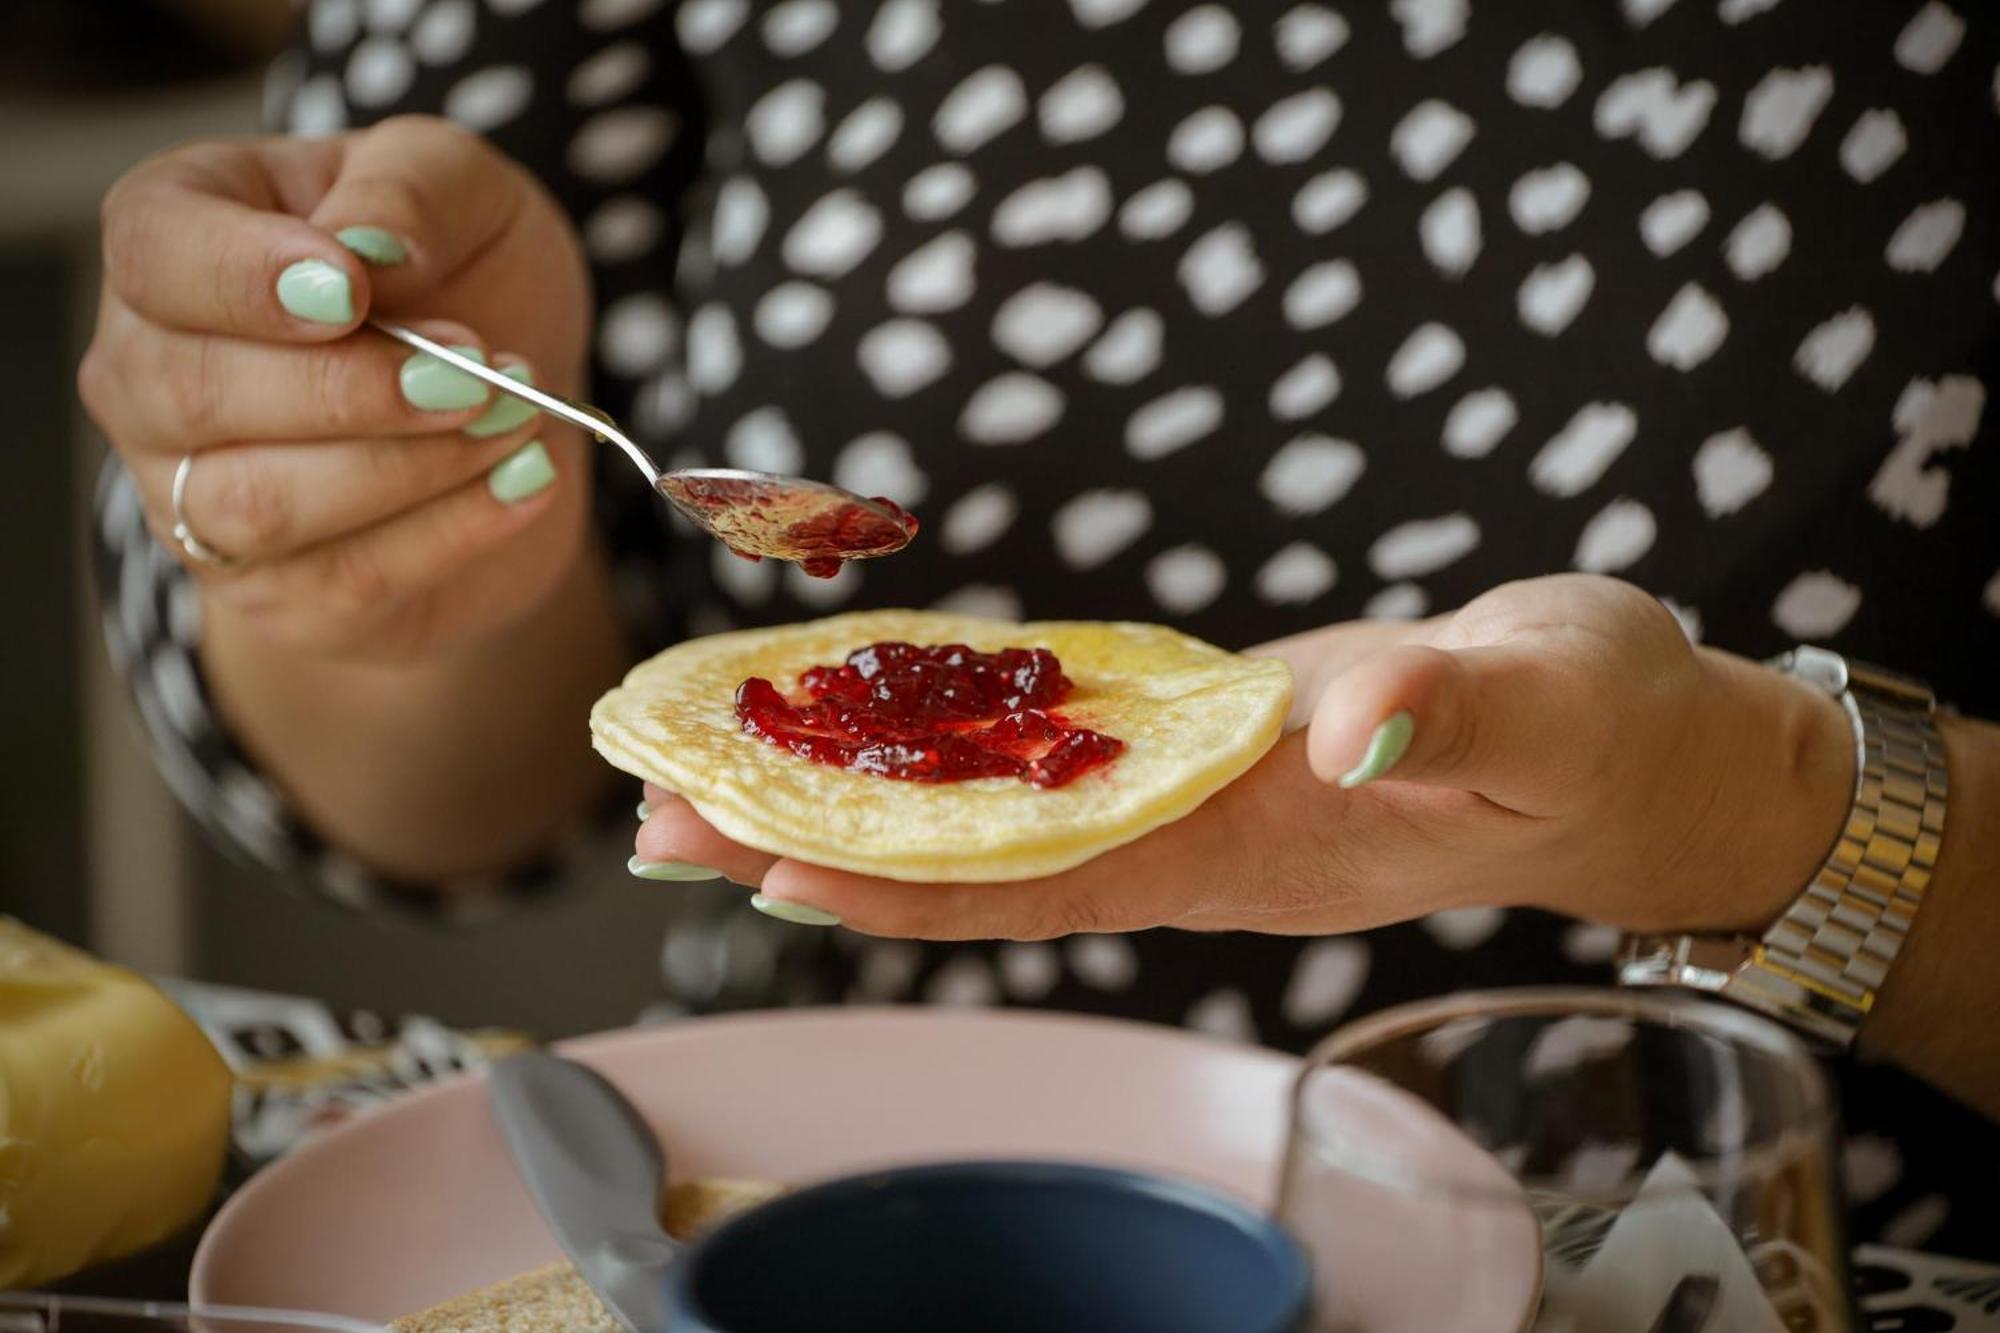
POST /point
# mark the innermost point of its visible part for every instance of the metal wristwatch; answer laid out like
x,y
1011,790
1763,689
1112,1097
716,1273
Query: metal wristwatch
x,y
1821,966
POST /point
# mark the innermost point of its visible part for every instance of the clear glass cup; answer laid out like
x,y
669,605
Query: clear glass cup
x,y
1567,1161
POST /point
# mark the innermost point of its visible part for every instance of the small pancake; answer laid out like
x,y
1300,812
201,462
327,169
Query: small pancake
x,y
1192,717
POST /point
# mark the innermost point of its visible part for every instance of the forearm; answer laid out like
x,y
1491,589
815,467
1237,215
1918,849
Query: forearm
x,y
446,768
1939,1012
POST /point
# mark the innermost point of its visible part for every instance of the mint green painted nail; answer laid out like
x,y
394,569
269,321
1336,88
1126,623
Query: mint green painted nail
x,y
436,387
314,289
799,914
645,812
384,249
679,872
1385,747
525,472
508,412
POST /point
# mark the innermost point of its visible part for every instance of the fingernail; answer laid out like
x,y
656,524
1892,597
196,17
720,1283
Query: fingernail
x,y
799,914
508,412
679,872
384,249
1385,747
525,472
645,812
436,387
314,289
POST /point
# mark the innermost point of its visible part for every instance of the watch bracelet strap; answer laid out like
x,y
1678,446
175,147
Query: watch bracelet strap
x,y
1820,965
1841,934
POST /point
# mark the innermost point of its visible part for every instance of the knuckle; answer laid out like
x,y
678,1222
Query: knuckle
x,y
191,389
256,506
352,582
1062,915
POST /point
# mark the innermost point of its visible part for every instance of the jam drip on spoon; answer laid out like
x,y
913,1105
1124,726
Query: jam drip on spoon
x,y
942,713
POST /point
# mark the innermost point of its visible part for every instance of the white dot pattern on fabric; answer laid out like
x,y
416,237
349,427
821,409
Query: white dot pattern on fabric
x,y
1011,409
1780,111
866,134
1478,422
1044,323
978,518
1552,295
490,98
1759,243
938,192
1296,573
703,26
1431,355
1202,40
1325,981
1104,962
1083,104
1310,473
1327,200
1615,538
614,146
1221,269
792,314
1930,38
1672,220
935,277
1173,421
1816,605
379,71
988,102
1873,145
1423,546
1835,349
1548,199
902,33
1186,578
1206,141
1544,72
1098,524
1730,470
1129,350
1305,388
1577,455
1449,232
1068,207
612,73
903,356
1158,210
1430,138
1664,115
1307,34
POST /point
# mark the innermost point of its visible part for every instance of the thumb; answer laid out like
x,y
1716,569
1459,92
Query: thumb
x,y
1491,720
416,198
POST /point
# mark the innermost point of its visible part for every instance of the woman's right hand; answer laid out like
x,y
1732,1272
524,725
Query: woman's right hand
x,y
370,513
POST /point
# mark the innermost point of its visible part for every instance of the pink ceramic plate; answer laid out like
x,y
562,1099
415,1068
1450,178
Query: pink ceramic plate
x,y
418,1202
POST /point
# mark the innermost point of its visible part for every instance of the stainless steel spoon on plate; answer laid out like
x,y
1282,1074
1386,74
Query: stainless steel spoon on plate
x,y
753,513
596,1171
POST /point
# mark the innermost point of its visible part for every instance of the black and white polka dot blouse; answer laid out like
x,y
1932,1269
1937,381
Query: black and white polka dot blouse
x,y
1248,318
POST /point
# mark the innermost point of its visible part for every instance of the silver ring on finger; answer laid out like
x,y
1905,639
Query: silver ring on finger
x,y
196,549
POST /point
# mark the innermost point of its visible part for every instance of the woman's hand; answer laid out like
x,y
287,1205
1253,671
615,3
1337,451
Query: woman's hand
x,y
1557,743
376,512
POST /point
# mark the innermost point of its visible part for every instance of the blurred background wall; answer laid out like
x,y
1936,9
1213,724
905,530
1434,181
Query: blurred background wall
x,y
92,847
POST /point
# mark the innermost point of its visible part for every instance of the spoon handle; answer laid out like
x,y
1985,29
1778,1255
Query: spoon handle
x,y
577,414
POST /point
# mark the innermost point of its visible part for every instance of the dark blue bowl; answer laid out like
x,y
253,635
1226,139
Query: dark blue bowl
x,y
994,1247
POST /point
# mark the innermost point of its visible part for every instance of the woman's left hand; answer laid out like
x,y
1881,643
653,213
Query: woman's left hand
x,y
1564,747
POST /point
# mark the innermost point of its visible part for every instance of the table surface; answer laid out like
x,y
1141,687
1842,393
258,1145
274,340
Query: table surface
x,y
303,1066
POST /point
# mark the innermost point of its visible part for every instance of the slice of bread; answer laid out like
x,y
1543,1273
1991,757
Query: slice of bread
x,y
556,1299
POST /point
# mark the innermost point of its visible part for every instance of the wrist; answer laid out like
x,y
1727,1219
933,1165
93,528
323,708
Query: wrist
x,y
1786,789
